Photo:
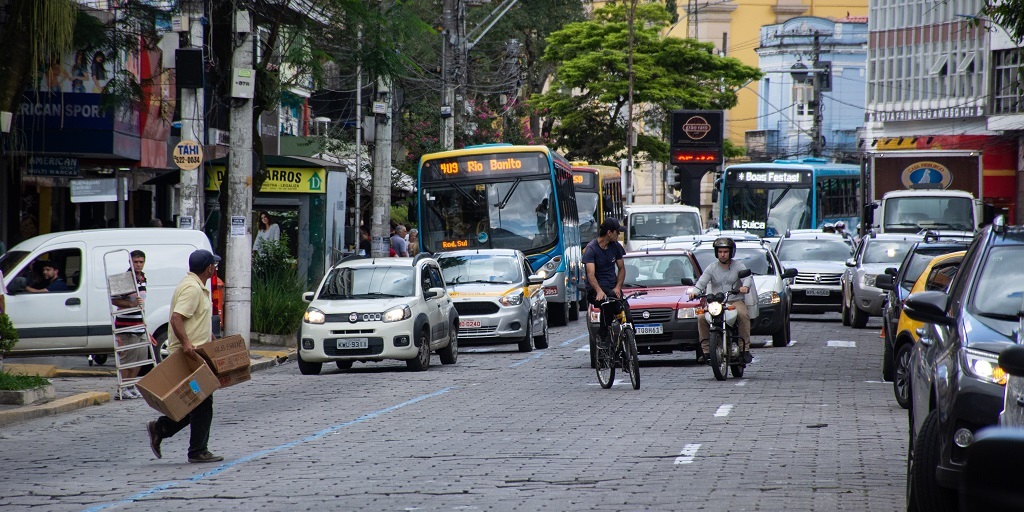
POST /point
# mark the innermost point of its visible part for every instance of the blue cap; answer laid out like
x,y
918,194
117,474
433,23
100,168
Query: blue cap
x,y
200,259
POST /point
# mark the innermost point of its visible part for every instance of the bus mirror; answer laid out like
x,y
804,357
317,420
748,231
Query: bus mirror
x,y
714,195
869,215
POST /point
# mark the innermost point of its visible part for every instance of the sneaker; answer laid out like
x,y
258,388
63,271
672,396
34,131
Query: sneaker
x,y
703,359
747,358
135,392
154,439
205,456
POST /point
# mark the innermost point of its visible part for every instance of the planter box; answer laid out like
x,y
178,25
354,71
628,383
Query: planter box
x,y
28,396
277,340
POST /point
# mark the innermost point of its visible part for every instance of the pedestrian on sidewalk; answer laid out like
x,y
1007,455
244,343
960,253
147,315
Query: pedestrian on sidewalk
x,y
133,320
191,326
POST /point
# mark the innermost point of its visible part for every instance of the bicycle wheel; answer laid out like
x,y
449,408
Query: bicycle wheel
x,y
719,362
605,367
632,359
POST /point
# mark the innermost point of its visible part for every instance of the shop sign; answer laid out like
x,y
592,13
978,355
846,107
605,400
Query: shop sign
x,y
61,166
297,180
97,190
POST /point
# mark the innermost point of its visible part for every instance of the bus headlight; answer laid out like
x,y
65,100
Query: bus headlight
x,y
513,299
552,266
314,316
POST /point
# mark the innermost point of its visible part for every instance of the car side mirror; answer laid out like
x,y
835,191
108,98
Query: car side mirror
x,y
985,483
850,262
928,307
789,273
535,279
308,296
744,273
435,292
686,281
1012,360
883,281
892,271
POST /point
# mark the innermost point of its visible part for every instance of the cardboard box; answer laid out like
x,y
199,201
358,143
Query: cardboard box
x,y
177,385
234,377
226,354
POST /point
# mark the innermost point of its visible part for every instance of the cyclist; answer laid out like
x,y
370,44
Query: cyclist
x,y
722,278
605,270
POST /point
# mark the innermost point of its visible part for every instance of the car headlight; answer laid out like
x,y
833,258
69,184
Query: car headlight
x,y
513,299
314,316
397,313
868,280
715,308
984,365
686,313
769,298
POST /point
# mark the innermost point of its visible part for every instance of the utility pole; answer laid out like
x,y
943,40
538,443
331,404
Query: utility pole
x,y
448,32
193,126
381,214
628,189
238,289
816,145
359,147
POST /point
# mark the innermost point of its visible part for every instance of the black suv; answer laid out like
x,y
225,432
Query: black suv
x,y
899,280
955,380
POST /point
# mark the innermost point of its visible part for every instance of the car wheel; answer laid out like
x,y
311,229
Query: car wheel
x,y
343,365
450,353
422,360
780,338
887,356
901,376
99,359
858,318
307,368
923,487
526,344
559,315
541,341
845,311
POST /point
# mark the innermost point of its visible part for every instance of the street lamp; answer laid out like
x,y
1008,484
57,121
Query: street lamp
x,y
799,73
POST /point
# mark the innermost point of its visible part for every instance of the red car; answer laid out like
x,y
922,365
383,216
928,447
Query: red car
x,y
664,318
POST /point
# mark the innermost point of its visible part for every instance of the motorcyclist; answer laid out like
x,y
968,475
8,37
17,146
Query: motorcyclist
x,y
606,271
724,277
828,227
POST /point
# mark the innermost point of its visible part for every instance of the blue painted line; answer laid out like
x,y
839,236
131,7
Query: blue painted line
x,y
534,356
574,340
228,465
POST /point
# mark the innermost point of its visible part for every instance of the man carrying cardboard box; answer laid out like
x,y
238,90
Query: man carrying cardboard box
x,y
191,326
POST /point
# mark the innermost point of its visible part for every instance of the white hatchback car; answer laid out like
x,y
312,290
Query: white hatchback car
x,y
372,309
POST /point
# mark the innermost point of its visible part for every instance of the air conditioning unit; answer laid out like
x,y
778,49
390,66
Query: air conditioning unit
x,y
218,137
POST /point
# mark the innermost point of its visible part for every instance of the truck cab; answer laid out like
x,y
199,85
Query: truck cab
x,y
910,211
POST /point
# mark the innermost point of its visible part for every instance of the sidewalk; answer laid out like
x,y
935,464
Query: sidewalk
x,y
81,387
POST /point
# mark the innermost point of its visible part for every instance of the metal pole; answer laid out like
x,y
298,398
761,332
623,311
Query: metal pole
x,y
359,148
629,116
816,146
190,200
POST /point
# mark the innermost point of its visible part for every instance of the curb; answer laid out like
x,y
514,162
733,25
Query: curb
x,y
55,407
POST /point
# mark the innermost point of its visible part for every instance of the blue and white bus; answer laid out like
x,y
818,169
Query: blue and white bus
x,y
507,197
769,198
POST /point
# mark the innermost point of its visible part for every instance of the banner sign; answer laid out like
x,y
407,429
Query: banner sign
x,y
300,180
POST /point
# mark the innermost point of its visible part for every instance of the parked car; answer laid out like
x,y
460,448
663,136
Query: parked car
x,y
820,259
861,298
956,384
372,309
897,281
497,296
665,318
771,281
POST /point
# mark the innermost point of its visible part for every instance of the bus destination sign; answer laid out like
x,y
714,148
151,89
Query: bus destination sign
x,y
454,244
774,177
485,166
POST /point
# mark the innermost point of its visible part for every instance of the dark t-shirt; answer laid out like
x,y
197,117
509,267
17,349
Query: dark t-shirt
x,y
604,262
57,285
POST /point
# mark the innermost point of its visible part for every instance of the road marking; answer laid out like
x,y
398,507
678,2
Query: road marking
x,y
723,410
574,340
615,382
483,350
686,456
255,455
741,383
841,344
584,348
876,382
534,356
791,343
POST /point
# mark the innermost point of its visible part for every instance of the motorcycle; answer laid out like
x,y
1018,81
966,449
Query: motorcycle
x,y
726,345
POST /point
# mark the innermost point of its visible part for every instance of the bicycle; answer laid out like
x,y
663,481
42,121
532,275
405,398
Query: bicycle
x,y
622,342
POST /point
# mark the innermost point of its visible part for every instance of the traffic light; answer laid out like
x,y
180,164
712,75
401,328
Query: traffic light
x,y
678,178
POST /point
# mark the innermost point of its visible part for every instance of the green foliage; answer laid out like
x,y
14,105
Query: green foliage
x,y
13,382
277,304
589,95
400,214
1008,14
8,335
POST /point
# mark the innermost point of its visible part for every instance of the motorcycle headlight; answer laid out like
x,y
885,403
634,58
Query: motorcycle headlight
x,y
868,280
984,365
715,308
512,299
682,313
769,298
397,313
314,316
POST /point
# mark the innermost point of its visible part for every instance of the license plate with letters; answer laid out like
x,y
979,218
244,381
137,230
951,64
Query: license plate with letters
x,y
648,329
469,324
817,293
353,343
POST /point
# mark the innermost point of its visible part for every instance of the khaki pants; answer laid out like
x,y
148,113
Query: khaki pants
x,y
742,325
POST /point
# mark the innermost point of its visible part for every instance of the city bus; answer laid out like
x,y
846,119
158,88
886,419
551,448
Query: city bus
x,y
598,196
767,199
507,197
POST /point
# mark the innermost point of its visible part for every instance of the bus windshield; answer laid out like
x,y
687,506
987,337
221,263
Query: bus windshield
x,y
768,211
515,214
587,203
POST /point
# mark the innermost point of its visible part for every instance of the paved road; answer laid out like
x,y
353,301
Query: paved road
x,y
809,428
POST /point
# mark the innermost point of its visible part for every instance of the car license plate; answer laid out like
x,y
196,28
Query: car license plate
x,y
649,329
351,343
817,293
469,323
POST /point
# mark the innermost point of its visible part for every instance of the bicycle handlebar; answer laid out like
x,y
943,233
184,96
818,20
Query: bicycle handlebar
x,y
609,298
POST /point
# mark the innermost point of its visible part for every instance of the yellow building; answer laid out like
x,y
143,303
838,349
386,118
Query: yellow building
x,y
734,28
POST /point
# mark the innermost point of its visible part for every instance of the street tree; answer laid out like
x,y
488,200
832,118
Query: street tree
x,y
1008,14
587,101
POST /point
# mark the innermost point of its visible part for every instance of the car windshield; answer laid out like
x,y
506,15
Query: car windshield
x,y
658,270
886,251
345,283
480,268
755,259
814,250
661,225
1001,284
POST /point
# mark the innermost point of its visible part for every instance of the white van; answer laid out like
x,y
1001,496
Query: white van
x,y
77,321
650,224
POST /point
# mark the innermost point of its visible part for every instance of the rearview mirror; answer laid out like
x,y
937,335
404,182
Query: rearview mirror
x,y
883,281
789,273
928,307
1012,360
308,296
744,273
892,271
538,279
686,281
850,262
